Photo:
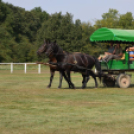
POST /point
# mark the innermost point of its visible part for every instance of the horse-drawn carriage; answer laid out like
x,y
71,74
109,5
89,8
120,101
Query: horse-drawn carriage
x,y
116,70
111,71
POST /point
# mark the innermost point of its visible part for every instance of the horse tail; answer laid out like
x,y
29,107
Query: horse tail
x,y
98,67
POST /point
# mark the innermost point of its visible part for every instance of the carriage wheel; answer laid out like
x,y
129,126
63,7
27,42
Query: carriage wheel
x,y
123,80
108,82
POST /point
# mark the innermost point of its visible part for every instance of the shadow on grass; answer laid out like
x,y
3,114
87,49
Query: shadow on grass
x,y
93,87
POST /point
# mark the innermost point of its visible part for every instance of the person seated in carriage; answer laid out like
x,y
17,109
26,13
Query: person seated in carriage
x,y
109,52
131,51
117,53
130,48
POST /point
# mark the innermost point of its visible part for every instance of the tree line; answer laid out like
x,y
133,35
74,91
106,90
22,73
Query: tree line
x,y
22,32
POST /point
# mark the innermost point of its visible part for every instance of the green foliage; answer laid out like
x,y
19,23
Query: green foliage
x,y
126,20
112,13
18,32
113,19
22,32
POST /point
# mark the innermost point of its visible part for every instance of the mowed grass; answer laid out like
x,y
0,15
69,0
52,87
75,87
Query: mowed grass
x,y
28,107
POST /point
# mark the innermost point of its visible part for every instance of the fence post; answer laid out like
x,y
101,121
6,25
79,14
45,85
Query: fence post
x,y
11,67
25,68
39,68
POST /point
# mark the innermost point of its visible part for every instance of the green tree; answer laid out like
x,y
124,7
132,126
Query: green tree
x,y
109,19
126,20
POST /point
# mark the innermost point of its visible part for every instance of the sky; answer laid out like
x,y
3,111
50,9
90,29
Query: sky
x,y
85,10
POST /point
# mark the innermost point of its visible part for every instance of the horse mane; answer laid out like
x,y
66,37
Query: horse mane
x,y
57,49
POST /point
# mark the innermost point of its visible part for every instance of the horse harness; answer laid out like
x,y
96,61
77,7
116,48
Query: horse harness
x,y
75,61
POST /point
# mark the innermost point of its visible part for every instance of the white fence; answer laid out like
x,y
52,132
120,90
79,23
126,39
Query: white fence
x,y
25,66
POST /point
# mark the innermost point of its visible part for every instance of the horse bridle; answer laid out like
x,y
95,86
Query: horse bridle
x,y
51,50
41,51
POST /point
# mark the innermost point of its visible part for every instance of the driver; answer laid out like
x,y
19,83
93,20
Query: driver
x,y
117,53
109,52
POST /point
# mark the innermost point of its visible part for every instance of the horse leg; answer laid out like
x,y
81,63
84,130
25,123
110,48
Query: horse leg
x,y
88,77
84,82
61,77
94,77
66,78
68,74
51,77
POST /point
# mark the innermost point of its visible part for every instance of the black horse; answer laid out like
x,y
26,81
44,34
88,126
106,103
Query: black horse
x,y
53,67
66,62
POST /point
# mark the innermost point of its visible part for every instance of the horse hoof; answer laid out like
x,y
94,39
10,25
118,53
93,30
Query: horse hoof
x,y
83,87
48,86
72,86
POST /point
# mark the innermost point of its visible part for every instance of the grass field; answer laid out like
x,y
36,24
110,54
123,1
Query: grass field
x,y
28,107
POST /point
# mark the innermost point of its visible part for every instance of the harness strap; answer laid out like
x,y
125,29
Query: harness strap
x,y
75,61
86,59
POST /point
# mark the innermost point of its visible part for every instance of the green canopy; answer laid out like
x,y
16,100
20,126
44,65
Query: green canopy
x,y
115,35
